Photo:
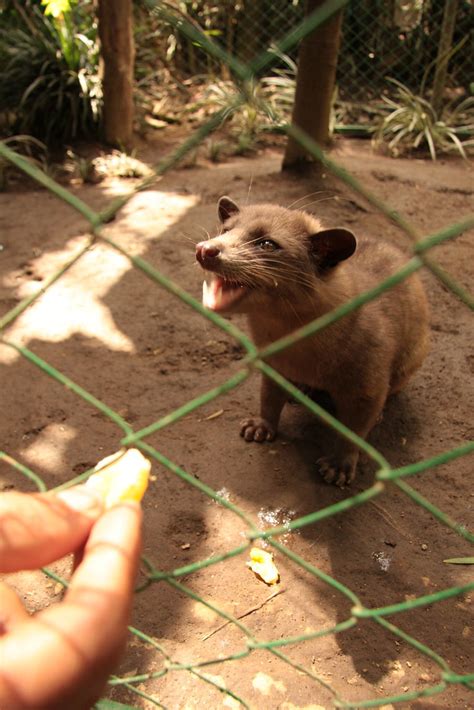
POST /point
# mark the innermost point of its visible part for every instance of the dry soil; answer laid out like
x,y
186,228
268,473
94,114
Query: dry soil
x,y
143,352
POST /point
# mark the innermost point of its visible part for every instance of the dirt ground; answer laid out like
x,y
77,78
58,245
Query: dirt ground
x,y
144,353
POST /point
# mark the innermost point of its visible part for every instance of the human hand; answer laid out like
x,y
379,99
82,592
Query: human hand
x,y
61,657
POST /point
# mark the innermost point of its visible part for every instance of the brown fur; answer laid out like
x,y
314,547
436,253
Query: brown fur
x,y
360,359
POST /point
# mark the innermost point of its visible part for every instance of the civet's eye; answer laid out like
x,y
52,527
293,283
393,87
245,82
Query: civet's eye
x,y
267,245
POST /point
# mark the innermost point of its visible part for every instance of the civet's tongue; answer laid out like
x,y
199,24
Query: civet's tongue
x,y
219,294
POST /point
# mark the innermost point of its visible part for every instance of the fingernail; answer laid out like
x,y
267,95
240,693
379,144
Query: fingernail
x,y
82,500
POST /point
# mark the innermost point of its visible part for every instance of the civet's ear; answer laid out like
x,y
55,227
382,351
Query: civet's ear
x,y
226,208
330,246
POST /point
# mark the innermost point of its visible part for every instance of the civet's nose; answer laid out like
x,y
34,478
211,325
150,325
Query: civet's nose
x,y
206,252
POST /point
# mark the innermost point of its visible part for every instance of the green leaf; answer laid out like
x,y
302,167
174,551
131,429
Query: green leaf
x,y
458,145
431,144
105,704
56,7
460,561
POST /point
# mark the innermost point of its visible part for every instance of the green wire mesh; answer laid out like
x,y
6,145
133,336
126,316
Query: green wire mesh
x,y
380,40
255,360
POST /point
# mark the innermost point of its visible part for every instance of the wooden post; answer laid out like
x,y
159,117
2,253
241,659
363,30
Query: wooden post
x,y
117,51
315,83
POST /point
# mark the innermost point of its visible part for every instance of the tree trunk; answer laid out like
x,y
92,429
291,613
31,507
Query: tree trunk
x,y
317,63
442,61
117,51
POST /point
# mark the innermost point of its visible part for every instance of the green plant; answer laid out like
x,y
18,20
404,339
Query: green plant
x,y
279,88
461,114
257,105
81,167
49,86
412,123
215,150
244,106
246,143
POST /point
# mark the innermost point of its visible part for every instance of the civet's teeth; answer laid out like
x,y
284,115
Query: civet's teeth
x,y
219,294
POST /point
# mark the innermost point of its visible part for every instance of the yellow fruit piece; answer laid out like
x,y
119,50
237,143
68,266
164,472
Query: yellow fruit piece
x,y
261,563
121,478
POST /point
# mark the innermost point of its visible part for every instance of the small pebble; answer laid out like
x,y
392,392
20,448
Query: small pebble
x,y
424,547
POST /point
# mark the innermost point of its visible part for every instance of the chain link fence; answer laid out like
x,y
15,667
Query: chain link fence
x,y
386,476
381,40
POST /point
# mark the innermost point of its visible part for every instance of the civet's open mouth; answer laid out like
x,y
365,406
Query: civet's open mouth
x,y
219,294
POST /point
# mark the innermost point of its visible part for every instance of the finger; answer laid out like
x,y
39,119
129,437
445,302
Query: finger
x,y
81,638
111,554
11,610
37,529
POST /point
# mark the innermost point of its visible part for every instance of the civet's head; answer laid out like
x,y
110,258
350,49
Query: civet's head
x,y
266,252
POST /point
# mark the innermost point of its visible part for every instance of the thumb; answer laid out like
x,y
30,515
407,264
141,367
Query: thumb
x,y
36,529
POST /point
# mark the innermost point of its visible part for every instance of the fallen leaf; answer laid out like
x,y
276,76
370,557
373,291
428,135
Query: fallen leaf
x,y
460,561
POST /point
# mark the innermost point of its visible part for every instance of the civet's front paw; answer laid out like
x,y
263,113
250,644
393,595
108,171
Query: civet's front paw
x,y
339,471
257,430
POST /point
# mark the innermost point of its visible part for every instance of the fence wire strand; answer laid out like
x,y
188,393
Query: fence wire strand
x,y
255,361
